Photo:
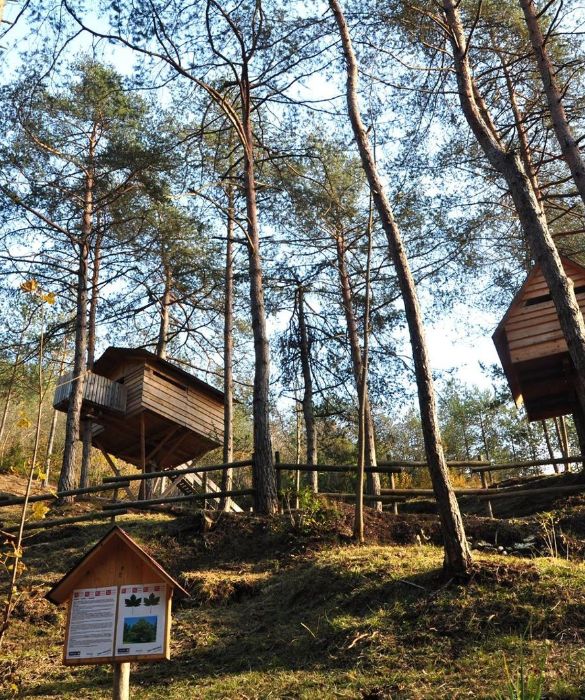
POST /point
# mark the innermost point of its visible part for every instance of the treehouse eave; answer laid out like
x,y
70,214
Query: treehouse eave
x,y
114,357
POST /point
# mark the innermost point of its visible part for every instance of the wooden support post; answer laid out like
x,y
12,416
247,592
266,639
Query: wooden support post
x,y
115,469
204,487
565,439
484,484
146,485
121,686
278,481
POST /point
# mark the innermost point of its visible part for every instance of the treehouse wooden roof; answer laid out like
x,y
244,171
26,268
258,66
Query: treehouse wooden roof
x,y
114,357
532,349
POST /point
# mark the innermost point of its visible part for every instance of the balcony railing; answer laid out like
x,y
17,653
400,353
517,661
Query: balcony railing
x,y
98,391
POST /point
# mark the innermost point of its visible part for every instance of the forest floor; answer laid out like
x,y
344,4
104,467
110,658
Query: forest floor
x,y
289,607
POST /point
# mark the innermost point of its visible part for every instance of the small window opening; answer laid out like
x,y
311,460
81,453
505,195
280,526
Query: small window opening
x,y
547,297
169,380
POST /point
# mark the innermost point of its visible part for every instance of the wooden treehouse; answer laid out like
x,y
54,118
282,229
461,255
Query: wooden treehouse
x,y
147,411
533,351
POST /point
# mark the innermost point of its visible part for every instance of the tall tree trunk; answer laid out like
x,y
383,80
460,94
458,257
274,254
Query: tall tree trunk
x,y
54,418
72,424
264,475
358,528
567,142
40,392
163,331
12,380
356,358
528,208
67,475
86,432
457,555
307,402
227,478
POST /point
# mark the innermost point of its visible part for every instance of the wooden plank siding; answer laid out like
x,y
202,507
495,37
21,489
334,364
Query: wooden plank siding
x,y
182,405
98,391
532,330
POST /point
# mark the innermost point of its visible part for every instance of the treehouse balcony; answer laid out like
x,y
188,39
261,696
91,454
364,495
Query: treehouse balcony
x,y
99,393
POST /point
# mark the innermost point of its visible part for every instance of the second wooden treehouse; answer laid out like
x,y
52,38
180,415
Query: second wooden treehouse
x,y
533,351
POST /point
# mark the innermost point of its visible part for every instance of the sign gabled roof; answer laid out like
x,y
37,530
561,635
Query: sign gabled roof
x,y
63,589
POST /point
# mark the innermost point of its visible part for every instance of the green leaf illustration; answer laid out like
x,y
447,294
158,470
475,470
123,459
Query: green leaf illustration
x,y
151,600
133,601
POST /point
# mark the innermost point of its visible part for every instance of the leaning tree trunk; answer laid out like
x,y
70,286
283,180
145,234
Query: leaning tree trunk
x,y
530,213
567,142
307,402
457,555
373,480
264,475
227,478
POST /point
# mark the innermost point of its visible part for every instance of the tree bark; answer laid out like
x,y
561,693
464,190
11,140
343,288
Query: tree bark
x,y
568,145
264,475
67,475
72,424
228,353
528,209
457,555
91,337
307,402
373,480
163,331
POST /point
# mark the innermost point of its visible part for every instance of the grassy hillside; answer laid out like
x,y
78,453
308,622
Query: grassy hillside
x,y
289,608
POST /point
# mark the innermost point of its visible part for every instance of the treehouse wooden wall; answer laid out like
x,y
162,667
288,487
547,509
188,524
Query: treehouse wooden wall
x,y
532,327
532,348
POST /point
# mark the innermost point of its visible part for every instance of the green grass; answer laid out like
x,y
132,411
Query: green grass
x,y
269,618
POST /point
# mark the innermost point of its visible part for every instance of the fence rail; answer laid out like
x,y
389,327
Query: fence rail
x,y
178,472
19,500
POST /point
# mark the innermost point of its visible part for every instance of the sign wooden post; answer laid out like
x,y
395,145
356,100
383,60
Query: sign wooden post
x,y
119,608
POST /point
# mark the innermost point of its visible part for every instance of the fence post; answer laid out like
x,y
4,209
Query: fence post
x,y
278,480
392,486
115,500
204,487
484,485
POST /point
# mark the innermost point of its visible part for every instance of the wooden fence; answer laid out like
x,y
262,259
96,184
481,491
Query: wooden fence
x,y
392,496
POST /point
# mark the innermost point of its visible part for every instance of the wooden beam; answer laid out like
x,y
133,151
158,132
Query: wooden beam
x,y
168,436
117,472
18,500
182,499
42,524
179,472
530,463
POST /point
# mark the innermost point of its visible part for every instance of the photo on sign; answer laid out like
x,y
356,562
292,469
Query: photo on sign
x,y
139,630
142,620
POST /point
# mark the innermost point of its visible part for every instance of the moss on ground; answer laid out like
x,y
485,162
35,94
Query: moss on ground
x,y
278,612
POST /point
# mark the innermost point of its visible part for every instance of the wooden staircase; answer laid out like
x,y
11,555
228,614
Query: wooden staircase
x,y
191,483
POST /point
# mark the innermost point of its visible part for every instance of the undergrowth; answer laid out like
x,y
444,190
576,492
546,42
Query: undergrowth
x,y
283,609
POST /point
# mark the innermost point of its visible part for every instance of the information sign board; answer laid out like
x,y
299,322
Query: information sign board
x,y
92,620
